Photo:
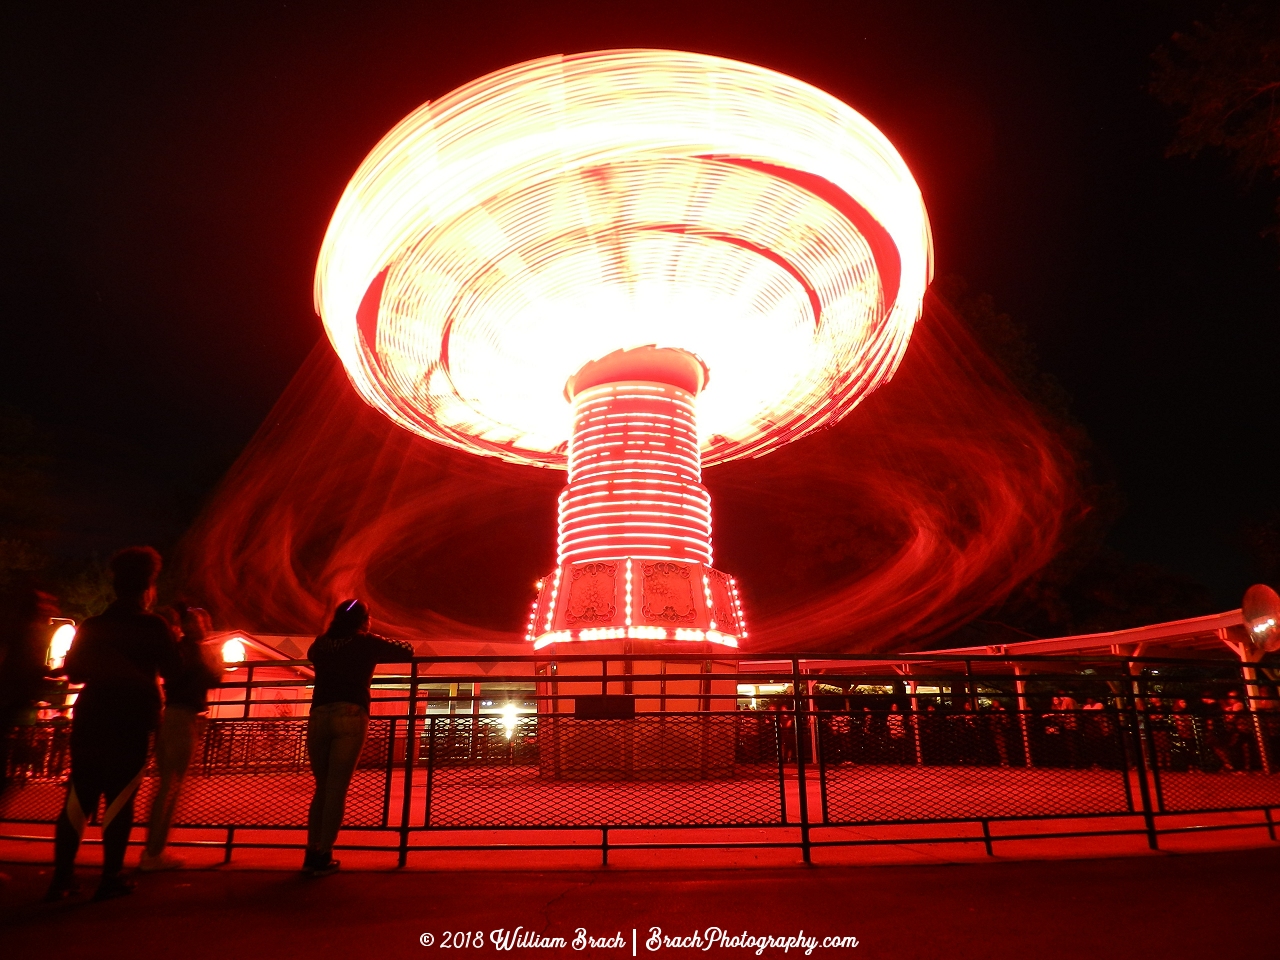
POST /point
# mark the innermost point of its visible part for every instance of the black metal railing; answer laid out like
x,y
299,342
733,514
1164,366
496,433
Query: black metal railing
x,y
459,754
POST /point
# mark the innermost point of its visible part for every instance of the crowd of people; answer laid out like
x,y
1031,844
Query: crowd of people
x,y
145,677
1215,732
1210,734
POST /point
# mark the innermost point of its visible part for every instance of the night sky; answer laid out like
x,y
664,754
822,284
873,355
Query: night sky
x,y
166,178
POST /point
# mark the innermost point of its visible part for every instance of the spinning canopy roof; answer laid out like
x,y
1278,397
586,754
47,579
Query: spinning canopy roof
x,y
551,213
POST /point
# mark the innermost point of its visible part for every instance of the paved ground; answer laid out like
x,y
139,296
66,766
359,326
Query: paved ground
x,y
1165,906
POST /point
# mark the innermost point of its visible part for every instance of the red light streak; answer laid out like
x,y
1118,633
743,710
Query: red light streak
x,y
537,225
550,213
951,488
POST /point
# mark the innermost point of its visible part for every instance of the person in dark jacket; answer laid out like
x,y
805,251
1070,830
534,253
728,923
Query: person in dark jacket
x,y
186,701
344,657
117,656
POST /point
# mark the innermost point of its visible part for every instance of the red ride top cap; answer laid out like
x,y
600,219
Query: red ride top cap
x,y
653,364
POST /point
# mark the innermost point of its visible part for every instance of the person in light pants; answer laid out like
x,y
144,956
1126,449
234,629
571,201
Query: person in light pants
x,y
344,657
186,704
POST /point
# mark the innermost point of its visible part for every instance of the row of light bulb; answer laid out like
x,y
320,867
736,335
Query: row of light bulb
x,y
232,651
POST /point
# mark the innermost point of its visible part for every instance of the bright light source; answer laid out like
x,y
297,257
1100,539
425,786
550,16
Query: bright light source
x,y
60,643
695,202
769,689
709,209
509,720
233,650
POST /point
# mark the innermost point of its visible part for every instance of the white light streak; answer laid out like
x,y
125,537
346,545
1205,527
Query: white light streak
x,y
555,211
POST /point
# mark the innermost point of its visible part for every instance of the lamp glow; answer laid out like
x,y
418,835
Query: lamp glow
x,y
60,644
509,720
233,650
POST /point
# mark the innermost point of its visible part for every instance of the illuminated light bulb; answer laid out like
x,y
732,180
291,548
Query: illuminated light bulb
x,y
233,650
598,633
551,606
549,638
60,643
646,633
627,614
531,628
509,720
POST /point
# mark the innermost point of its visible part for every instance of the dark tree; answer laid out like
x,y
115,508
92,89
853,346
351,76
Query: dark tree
x,y
33,516
1222,79
1261,541
26,507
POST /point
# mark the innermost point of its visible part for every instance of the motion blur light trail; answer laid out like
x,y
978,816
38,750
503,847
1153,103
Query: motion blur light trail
x,y
945,493
551,213
896,525
330,496
711,261
610,228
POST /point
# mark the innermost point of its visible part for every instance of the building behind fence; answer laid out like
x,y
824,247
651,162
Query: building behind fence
x,y
800,747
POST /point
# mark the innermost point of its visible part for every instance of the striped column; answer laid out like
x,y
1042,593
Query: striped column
x,y
635,467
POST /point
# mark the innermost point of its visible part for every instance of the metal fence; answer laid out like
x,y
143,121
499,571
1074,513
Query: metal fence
x,y
645,752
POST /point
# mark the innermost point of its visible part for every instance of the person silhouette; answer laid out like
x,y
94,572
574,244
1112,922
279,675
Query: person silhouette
x,y
344,658
117,656
186,701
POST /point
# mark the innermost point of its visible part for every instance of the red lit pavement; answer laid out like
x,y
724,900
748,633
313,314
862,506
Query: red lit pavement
x,y
1167,906
934,791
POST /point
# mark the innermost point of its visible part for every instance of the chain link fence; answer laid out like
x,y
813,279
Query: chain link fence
x,y
659,770
884,767
840,745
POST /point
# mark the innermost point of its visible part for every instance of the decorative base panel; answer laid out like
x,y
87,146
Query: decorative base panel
x,y
636,599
